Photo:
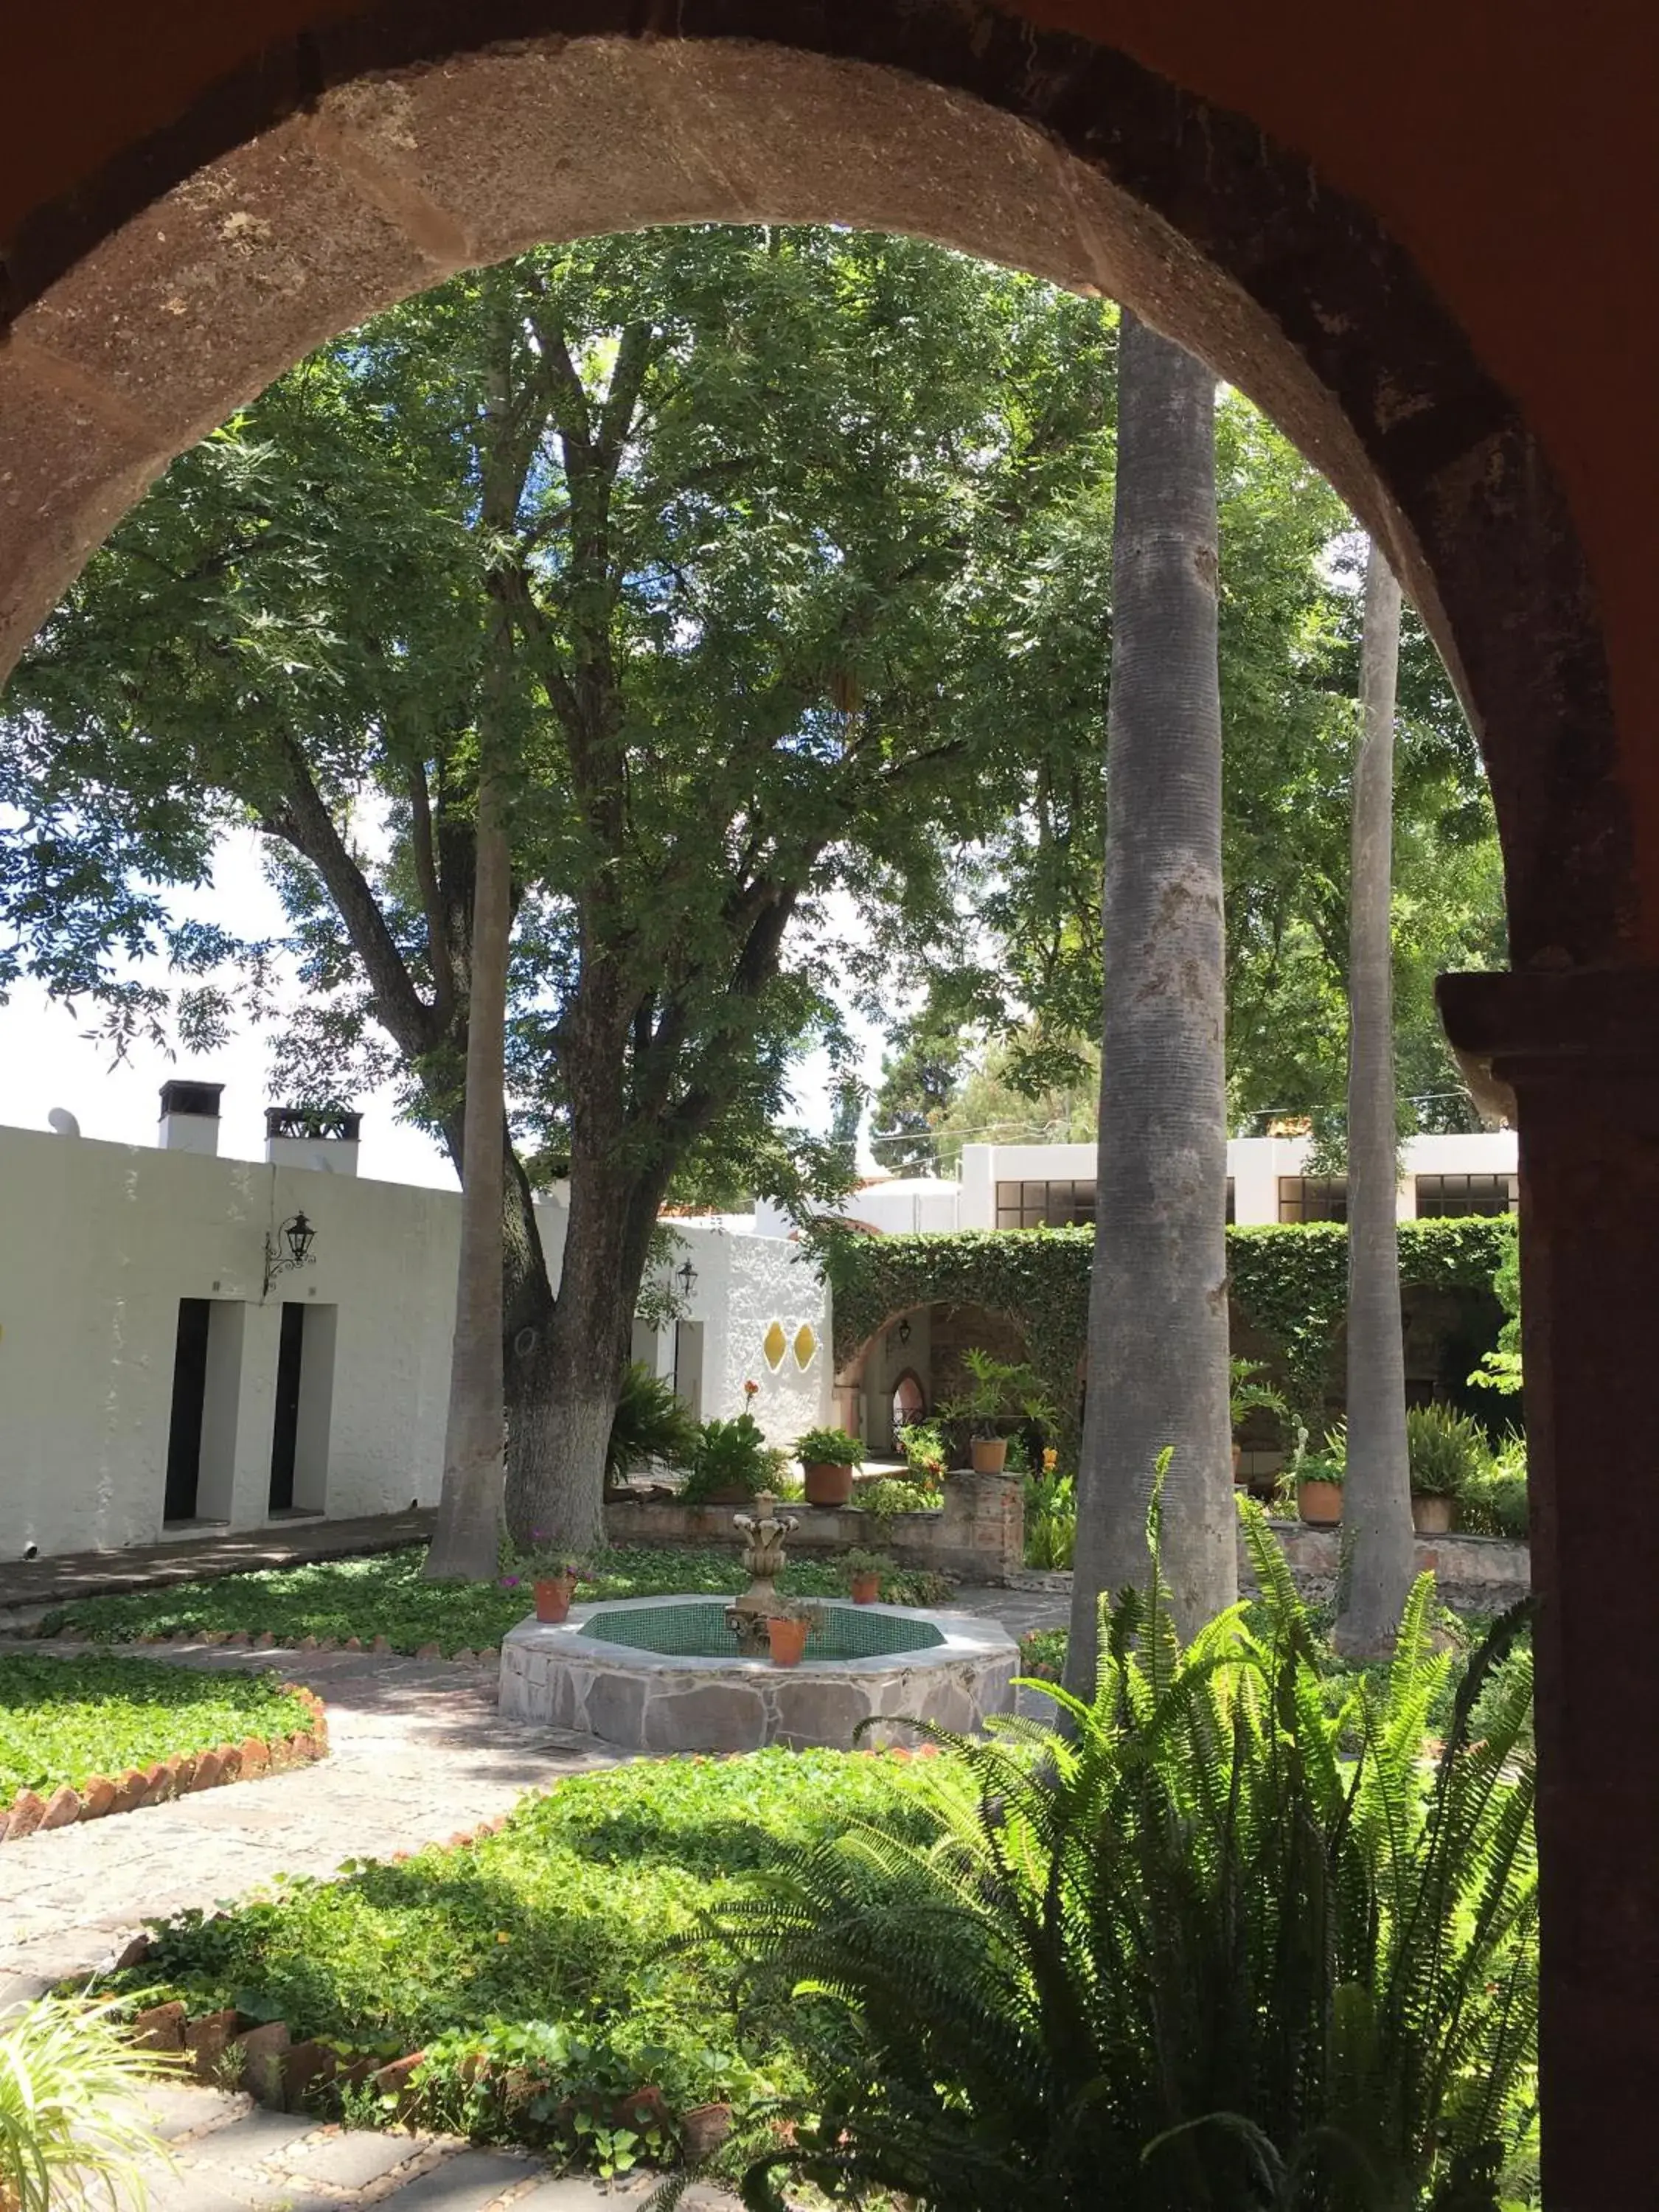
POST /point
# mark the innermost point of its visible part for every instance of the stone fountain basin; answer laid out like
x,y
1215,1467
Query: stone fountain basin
x,y
556,1674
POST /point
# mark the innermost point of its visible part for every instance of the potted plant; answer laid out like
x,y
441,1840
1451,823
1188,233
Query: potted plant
x,y
731,1463
1248,1394
864,1570
786,1633
1446,1452
827,1457
998,1391
555,1586
1319,1490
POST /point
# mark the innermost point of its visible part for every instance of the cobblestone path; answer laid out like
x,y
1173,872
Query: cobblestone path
x,y
418,1755
231,2156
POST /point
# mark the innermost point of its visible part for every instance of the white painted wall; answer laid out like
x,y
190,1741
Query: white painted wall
x,y
98,1245
99,1242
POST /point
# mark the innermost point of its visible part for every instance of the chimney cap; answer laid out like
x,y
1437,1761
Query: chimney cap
x,y
201,1098
313,1123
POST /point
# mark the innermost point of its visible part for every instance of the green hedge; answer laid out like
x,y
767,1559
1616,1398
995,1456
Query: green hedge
x,y
1289,1282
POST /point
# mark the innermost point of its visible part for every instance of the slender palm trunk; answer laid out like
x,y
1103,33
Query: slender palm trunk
x,y
1157,1307
463,1547
1377,1511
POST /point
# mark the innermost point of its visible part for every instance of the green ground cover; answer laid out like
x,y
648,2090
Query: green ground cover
x,y
549,1947
65,1720
387,1595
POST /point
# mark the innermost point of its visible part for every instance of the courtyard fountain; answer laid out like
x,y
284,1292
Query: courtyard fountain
x,y
685,1673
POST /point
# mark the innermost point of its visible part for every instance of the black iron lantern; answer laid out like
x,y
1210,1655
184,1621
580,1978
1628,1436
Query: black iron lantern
x,y
905,1330
687,1278
297,1235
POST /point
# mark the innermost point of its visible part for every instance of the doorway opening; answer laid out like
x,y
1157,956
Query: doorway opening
x,y
688,1366
304,1406
207,1378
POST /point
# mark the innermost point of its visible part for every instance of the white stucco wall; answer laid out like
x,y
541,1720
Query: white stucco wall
x,y
98,1245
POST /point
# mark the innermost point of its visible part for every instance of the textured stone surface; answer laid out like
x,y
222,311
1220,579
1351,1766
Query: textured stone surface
x,y
660,1703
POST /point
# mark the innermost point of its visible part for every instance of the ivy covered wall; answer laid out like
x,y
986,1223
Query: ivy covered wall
x,y
1289,1284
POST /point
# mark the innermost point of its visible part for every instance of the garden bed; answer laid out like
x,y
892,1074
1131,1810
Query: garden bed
x,y
532,1968
87,1736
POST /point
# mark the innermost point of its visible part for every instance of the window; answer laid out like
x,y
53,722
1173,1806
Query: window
x,y
1438,1194
1045,1204
1313,1197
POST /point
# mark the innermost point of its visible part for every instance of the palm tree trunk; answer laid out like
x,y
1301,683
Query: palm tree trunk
x,y
1158,1305
1377,1511
464,1544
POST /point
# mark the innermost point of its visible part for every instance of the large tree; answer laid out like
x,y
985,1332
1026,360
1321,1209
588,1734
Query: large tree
x,y
772,489
1158,1305
1377,1511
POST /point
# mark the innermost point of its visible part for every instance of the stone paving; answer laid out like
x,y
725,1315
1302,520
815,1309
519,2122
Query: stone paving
x,y
227,2155
418,1754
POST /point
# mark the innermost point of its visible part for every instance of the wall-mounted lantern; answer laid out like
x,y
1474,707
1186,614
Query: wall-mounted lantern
x,y
905,1330
687,1278
289,1247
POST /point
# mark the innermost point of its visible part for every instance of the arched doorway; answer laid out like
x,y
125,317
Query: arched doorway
x,y
299,183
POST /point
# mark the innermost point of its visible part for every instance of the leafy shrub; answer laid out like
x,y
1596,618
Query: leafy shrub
x,y
1050,1521
892,1494
1494,1501
1181,1953
730,1456
71,2129
1042,1654
997,1391
542,1949
1446,1451
829,1448
927,1453
65,1720
650,1422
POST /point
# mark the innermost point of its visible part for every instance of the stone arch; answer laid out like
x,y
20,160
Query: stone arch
x,y
867,1379
354,164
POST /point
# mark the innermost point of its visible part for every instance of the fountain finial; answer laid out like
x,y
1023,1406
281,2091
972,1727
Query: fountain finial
x,y
762,1558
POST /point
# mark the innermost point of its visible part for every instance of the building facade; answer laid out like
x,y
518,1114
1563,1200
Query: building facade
x,y
188,1343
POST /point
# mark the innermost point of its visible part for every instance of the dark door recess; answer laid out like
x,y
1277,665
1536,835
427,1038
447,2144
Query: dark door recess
x,y
189,1361
285,1429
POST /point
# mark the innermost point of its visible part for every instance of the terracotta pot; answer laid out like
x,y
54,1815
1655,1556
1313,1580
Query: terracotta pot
x,y
704,2128
553,1597
865,1589
1320,1504
826,1483
1431,1516
988,1454
787,1639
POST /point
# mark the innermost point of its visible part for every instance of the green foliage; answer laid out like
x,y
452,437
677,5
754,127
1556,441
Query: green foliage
x,y
1248,1394
892,1495
1289,1282
72,2130
730,1456
1181,1952
997,1391
1050,1519
650,1423
388,1595
64,1720
926,1451
1446,1451
1493,1500
829,1448
542,1949
1500,1368
856,1560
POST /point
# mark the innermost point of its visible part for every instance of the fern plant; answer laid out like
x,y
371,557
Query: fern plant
x,y
1180,1953
650,1422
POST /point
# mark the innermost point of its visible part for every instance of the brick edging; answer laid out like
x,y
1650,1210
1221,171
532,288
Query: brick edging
x,y
173,1777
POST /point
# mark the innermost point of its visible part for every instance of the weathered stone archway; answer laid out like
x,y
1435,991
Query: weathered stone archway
x,y
357,161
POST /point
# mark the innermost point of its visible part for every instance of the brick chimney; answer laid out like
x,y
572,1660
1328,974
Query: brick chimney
x,y
190,1117
317,1137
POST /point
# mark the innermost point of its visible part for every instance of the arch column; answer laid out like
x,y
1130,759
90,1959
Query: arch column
x,y
1579,1052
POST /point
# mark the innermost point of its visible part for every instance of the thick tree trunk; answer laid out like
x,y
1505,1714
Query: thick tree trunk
x,y
556,1492
1157,1308
463,1547
1377,1511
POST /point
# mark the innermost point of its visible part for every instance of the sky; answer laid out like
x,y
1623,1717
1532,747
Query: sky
x,y
47,1060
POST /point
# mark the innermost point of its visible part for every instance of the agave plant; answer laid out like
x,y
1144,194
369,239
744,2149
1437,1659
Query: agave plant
x,y
1181,1952
650,1422
71,2128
